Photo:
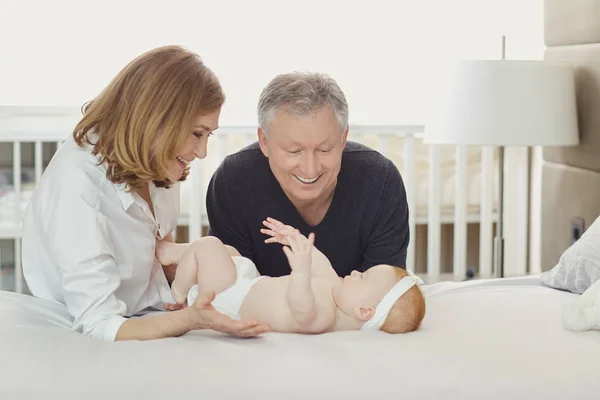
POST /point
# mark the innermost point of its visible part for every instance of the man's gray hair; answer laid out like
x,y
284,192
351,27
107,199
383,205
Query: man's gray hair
x,y
301,94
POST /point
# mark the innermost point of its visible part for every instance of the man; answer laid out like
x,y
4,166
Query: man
x,y
303,173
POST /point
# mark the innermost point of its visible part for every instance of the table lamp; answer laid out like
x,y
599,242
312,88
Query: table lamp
x,y
506,103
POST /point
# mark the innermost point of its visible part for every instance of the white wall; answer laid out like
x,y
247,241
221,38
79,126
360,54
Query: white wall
x,y
386,55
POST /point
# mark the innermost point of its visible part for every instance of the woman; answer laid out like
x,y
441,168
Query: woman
x,y
112,191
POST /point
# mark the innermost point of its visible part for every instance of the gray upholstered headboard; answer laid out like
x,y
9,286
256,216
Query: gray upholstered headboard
x,y
570,176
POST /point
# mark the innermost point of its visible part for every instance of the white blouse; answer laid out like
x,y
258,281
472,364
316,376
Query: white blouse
x,y
89,244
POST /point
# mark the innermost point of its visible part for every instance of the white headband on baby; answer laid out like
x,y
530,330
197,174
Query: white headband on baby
x,y
385,305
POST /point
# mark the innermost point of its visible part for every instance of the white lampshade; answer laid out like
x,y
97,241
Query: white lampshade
x,y
507,103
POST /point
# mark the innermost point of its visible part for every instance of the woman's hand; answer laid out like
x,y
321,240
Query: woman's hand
x,y
207,317
200,315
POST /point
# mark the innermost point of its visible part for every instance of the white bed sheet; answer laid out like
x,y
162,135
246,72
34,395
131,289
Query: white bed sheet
x,y
480,339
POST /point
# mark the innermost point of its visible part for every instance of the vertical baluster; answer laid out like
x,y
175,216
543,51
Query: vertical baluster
x,y
487,203
17,178
460,214
18,269
222,147
38,155
18,213
409,184
382,143
195,201
434,220
535,219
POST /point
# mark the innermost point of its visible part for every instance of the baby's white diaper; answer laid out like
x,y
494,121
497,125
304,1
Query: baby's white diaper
x,y
230,300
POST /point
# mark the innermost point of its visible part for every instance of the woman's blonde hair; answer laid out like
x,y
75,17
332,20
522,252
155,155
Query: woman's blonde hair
x,y
146,113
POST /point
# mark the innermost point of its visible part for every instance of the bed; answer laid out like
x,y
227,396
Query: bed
x,y
481,339
486,339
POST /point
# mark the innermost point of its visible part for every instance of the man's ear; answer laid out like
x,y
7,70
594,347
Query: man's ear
x,y
262,141
345,136
364,313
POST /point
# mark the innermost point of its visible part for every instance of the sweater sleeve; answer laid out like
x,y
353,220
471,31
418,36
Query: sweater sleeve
x,y
389,236
223,219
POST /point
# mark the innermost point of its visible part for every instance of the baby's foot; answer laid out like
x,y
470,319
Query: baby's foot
x,y
165,252
174,307
179,297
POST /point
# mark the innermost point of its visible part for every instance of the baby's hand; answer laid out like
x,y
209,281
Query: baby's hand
x,y
299,251
278,231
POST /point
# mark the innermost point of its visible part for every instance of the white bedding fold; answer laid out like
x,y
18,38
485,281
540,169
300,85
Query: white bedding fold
x,y
583,313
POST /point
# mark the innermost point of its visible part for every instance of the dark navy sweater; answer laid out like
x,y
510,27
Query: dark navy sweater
x,y
366,224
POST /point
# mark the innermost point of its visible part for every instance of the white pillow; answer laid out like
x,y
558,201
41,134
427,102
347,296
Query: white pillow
x,y
579,266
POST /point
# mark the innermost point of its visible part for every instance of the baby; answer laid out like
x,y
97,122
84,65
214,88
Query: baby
x,y
312,299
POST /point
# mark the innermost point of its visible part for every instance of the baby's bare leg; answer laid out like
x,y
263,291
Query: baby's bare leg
x,y
169,253
232,251
207,263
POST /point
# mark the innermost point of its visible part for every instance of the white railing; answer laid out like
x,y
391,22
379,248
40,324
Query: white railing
x,y
42,125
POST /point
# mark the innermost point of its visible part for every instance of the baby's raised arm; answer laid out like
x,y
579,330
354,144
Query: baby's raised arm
x,y
320,266
312,316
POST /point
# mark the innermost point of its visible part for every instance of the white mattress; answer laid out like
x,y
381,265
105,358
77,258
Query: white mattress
x,y
480,339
